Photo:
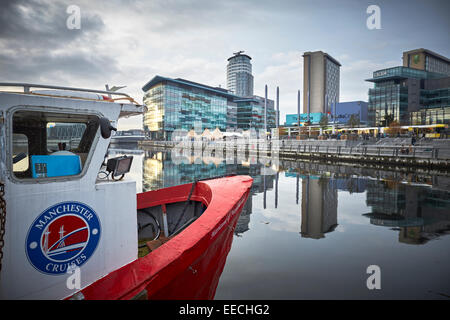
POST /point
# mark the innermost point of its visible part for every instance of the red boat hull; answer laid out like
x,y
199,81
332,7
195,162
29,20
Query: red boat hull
x,y
190,264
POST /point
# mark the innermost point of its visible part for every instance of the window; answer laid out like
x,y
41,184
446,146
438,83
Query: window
x,y
20,152
50,144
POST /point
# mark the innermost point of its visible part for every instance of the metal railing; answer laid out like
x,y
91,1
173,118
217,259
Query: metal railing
x,y
27,86
293,148
372,150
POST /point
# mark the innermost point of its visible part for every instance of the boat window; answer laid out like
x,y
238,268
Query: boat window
x,y
20,152
50,144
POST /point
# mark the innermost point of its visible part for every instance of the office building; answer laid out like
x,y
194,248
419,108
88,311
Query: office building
x,y
408,96
426,60
239,75
321,76
345,110
174,104
343,113
181,104
250,113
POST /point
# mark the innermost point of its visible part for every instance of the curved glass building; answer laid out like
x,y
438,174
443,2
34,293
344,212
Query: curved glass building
x,y
174,104
239,75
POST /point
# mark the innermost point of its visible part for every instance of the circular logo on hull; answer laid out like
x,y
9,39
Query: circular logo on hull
x,y
63,236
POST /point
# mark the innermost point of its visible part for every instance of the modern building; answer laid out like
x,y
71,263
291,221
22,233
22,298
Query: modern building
x,y
321,76
174,104
239,75
181,104
292,119
426,60
343,113
434,103
408,96
250,113
345,110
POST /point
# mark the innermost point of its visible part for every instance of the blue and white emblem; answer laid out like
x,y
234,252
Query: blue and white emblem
x,y
64,235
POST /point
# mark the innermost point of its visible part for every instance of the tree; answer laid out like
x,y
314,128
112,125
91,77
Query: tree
x,y
353,121
394,128
323,121
388,119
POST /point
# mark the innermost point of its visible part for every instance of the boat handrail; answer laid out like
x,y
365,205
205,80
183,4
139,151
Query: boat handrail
x,y
27,86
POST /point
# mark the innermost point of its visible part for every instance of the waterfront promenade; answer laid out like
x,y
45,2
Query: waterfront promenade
x,y
432,154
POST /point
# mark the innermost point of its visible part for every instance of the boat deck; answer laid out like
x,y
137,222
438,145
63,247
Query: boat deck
x,y
149,229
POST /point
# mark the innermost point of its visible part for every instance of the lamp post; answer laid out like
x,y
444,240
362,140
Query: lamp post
x,y
265,113
298,108
278,108
334,117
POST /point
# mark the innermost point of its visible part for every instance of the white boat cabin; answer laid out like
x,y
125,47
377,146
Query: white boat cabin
x,y
58,213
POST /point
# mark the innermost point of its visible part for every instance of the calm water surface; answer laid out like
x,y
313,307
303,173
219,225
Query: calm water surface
x,y
309,231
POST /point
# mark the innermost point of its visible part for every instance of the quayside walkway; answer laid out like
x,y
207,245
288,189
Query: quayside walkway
x,y
393,151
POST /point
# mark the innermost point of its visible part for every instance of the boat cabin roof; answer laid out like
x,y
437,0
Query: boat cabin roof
x,y
128,108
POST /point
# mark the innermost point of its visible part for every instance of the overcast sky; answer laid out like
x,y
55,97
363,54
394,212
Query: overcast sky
x,y
128,42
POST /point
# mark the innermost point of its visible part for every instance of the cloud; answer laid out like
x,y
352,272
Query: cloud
x,y
353,76
42,24
285,70
128,42
36,45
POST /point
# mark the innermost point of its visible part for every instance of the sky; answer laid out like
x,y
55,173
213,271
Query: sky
x,y
128,42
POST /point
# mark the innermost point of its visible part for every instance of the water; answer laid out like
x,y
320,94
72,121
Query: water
x,y
309,231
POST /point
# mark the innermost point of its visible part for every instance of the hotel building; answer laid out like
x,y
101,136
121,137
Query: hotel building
x,y
426,60
321,76
417,93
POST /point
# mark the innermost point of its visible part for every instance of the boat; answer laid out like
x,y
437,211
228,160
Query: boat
x,y
71,223
128,136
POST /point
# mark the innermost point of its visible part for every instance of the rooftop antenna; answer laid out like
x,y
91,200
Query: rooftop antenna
x,y
238,53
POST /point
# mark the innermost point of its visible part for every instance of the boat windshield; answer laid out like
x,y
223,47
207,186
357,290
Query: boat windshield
x,y
51,144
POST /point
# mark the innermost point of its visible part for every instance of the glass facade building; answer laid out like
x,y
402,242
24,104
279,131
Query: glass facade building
x,y
250,113
174,104
180,104
408,96
239,75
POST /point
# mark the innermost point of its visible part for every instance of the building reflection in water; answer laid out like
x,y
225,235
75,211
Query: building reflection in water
x,y
418,213
161,171
319,206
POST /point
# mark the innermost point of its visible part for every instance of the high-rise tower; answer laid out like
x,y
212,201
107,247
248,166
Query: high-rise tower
x,y
320,82
239,75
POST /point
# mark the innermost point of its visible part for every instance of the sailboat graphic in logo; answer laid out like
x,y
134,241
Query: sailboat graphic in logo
x,y
63,235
